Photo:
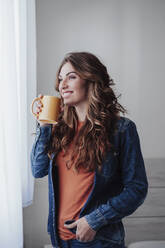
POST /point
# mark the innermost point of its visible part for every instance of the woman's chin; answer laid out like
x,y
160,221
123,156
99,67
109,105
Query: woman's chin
x,y
67,103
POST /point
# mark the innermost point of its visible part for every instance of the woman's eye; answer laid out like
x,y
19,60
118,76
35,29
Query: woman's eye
x,y
72,77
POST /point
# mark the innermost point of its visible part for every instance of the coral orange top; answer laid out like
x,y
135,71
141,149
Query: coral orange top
x,y
74,190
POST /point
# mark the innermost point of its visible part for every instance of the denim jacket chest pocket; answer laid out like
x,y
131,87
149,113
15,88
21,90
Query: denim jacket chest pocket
x,y
110,166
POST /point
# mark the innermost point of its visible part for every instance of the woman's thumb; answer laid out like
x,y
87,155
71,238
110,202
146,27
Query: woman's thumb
x,y
72,225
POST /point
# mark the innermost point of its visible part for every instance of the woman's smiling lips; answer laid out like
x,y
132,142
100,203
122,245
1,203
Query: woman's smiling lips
x,y
67,93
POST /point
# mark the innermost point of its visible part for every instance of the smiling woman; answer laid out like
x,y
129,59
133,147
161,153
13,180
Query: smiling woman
x,y
92,157
73,89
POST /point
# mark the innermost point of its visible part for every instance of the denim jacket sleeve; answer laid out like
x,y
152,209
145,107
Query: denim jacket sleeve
x,y
134,181
38,156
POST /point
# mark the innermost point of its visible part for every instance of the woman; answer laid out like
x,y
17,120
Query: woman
x,y
92,158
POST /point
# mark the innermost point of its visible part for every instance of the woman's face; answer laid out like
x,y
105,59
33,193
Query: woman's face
x,y
72,88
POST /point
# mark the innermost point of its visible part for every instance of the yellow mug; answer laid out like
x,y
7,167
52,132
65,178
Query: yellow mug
x,y
50,110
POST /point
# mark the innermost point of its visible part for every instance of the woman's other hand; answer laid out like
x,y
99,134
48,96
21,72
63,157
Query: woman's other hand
x,y
84,232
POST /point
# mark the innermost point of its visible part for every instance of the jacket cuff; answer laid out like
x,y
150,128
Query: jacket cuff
x,y
96,220
43,130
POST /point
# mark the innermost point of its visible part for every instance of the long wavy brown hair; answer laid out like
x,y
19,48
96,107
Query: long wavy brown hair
x,y
93,140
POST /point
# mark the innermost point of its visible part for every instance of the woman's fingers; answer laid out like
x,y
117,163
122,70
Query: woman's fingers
x,y
39,103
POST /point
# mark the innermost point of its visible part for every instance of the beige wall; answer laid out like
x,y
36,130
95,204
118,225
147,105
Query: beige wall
x,y
129,38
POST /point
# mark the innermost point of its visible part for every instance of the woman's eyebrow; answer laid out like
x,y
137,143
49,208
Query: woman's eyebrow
x,y
68,73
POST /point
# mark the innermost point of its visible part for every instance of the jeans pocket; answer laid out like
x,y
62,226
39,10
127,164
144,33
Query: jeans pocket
x,y
73,230
89,244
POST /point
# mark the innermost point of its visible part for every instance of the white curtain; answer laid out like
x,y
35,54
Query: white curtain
x,y
17,89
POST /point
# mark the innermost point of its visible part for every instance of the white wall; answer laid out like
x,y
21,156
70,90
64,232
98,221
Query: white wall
x,y
142,77
129,38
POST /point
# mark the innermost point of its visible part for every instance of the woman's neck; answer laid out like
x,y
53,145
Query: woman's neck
x,y
81,112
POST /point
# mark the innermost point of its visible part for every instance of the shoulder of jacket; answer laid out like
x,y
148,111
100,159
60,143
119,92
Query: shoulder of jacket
x,y
123,123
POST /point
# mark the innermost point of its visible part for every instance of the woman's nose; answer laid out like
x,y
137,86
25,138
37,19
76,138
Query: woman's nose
x,y
64,84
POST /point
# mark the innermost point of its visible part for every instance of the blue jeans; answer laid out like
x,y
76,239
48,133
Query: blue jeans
x,y
74,243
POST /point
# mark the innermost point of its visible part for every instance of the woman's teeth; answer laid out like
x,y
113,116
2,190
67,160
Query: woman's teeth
x,y
67,93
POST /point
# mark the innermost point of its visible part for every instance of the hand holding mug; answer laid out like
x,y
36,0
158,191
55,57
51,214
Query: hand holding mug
x,y
48,109
39,109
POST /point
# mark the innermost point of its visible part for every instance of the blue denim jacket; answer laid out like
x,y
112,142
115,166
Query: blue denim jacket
x,y
119,189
